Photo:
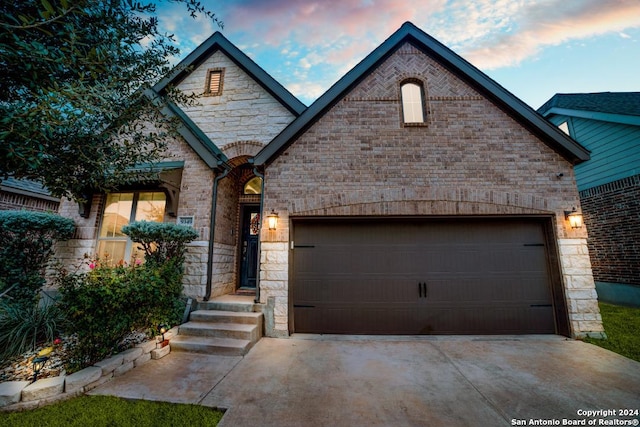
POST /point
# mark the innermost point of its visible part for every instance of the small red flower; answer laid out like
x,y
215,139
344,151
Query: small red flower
x,y
57,341
92,265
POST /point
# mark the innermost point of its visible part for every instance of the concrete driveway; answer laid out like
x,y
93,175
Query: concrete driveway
x,y
397,381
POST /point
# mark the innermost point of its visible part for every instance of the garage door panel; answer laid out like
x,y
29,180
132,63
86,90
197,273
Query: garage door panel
x,y
417,277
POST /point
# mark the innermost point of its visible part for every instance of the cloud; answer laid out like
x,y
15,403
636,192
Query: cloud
x,y
320,40
551,23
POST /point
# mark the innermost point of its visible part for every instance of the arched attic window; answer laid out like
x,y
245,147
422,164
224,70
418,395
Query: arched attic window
x,y
412,93
253,186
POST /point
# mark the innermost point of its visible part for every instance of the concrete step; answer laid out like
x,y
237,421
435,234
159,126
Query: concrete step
x,y
221,330
237,303
226,306
211,345
220,316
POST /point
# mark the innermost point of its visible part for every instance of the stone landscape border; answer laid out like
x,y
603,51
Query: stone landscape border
x,y
25,395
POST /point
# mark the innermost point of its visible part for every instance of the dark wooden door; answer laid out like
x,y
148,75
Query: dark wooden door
x,y
249,246
421,277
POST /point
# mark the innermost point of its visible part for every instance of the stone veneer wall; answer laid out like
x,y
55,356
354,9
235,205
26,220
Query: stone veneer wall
x,y
244,112
470,159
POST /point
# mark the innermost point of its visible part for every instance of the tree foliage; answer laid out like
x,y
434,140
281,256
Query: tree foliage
x,y
72,114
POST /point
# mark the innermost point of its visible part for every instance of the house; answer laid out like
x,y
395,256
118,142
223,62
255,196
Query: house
x,y
608,125
416,196
22,194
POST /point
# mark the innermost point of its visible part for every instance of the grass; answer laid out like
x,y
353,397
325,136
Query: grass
x,y
99,411
621,325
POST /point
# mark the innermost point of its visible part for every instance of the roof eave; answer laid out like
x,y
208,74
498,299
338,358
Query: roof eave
x,y
195,138
594,115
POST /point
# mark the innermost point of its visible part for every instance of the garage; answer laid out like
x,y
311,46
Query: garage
x,y
419,276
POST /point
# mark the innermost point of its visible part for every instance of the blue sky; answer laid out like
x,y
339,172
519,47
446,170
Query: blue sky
x,y
534,48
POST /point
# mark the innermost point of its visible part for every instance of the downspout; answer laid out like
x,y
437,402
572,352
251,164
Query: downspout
x,y
212,227
258,174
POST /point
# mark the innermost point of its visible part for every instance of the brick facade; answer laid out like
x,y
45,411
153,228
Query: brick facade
x,y
612,214
470,159
357,159
240,121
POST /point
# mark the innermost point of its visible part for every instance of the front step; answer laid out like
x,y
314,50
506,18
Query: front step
x,y
209,345
221,316
224,326
237,331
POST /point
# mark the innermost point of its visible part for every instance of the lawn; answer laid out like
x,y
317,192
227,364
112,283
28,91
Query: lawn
x,y
99,411
621,325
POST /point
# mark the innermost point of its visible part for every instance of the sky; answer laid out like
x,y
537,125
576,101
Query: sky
x,y
533,48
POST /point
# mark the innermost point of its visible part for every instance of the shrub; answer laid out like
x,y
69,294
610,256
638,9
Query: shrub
x,y
106,304
161,240
21,329
26,242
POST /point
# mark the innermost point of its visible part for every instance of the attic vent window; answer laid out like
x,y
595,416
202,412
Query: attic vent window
x,y
564,127
215,77
412,103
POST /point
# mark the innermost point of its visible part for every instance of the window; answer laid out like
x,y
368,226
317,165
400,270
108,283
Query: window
x,y
412,103
213,86
253,186
120,209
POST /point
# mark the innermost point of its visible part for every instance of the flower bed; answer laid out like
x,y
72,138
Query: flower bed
x,y
54,384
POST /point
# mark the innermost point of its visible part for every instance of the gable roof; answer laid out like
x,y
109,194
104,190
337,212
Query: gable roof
x,y
217,42
552,136
619,107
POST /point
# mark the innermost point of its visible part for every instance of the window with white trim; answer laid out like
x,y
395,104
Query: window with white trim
x,y
412,102
115,247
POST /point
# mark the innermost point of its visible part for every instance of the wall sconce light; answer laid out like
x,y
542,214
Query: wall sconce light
x,y
574,217
272,219
38,364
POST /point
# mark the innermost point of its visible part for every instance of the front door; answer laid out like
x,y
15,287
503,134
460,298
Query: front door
x,y
249,246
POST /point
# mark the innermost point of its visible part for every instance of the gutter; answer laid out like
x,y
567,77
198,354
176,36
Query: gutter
x,y
212,226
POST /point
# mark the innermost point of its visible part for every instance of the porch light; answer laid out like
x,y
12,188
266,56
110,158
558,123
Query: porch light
x,y
272,219
574,217
38,364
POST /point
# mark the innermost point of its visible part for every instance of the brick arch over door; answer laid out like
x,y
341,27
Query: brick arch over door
x,y
242,149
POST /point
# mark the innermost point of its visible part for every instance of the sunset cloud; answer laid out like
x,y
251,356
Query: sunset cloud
x,y
308,45
552,23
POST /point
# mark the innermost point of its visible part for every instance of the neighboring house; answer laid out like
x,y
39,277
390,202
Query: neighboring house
x,y
608,125
22,194
416,196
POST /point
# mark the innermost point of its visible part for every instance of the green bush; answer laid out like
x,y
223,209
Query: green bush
x,y
26,242
108,303
161,240
21,329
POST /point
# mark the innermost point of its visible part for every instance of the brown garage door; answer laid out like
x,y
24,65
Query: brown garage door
x,y
421,277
